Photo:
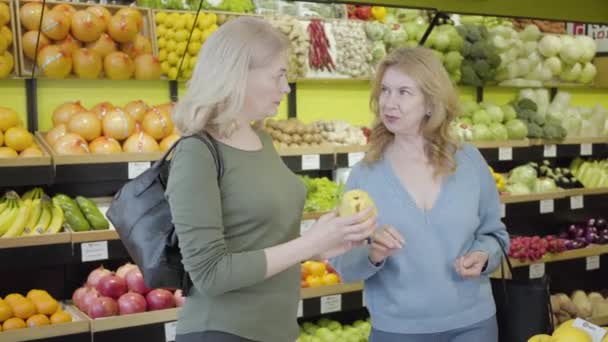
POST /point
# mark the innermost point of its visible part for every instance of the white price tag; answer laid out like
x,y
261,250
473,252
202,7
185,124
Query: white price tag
x,y
311,162
550,151
596,333
170,333
505,153
331,303
576,202
305,225
537,271
546,206
137,168
503,210
586,149
363,299
354,158
93,251
300,308
593,263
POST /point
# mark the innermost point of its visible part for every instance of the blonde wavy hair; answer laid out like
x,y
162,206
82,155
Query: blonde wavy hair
x,y
216,92
441,99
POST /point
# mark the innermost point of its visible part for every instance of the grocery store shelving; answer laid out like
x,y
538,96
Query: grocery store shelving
x,y
320,291
76,331
589,251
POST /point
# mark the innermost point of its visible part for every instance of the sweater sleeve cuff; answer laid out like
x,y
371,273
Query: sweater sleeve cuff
x,y
356,265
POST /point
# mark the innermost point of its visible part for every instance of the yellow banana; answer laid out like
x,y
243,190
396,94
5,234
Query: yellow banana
x,y
44,221
33,217
3,206
57,221
8,217
18,225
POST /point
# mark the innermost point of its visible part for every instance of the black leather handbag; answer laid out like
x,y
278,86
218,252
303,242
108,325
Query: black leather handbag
x,y
523,306
141,215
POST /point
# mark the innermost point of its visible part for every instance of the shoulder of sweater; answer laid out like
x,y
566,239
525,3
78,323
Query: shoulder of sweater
x,y
470,154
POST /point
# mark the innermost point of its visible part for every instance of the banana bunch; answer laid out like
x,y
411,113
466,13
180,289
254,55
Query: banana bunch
x,y
32,214
499,179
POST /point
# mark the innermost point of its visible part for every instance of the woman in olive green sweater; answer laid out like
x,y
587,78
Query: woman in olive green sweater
x,y
240,240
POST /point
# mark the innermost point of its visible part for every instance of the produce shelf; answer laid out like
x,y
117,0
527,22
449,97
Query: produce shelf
x,y
27,171
308,159
153,326
326,290
591,250
35,251
76,331
16,38
534,197
347,156
321,300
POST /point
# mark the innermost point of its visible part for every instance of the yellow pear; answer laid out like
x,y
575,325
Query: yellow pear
x,y
355,201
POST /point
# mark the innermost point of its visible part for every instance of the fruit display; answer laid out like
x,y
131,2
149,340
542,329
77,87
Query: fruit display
x,y
500,180
81,213
526,179
487,21
353,49
591,173
322,194
15,140
36,309
532,248
532,107
339,132
319,55
87,41
172,32
106,293
545,26
107,129
481,59
579,304
299,43
562,176
292,133
317,273
487,121
568,331
579,121
327,330
29,215
529,57
582,234
7,60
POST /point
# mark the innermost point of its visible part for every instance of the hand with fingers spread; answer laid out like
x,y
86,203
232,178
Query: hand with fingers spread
x,y
334,235
385,242
471,264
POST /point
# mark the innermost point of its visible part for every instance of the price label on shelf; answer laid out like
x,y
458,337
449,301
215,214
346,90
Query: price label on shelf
x,y
550,151
137,168
311,162
593,263
300,308
354,158
331,303
586,149
503,210
576,202
363,302
170,331
537,271
505,153
596,333
93,251
305,225
546,206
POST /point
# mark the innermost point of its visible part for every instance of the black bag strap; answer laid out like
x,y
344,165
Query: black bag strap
x,y
505,257
207,140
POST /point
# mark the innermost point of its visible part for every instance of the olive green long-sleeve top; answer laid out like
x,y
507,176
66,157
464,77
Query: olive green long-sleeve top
x,y
222,233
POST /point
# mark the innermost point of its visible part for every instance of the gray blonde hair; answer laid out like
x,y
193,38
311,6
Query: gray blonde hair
x,y
216,92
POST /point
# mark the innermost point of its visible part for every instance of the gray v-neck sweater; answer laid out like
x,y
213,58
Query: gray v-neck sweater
x,y
417,290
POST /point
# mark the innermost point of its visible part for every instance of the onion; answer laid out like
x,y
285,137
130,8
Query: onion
x,y
55,133
30,14
159,299
133,13
96,275
124,269
103,46
86,26
32,151
102,13
112,286
131,302
147,67
85,124
69,45
140,142
64,112
105,145
55,25
123,28
87,299
7,152
103,307
166,143
102,108
118,124
135,281
78,295
71,143
137,109
157,123
28,42
180,300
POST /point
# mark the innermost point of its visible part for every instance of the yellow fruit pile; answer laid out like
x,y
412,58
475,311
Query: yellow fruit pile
x,y
36,309
500,180
172,30
316,273
566,332
7,61
15,140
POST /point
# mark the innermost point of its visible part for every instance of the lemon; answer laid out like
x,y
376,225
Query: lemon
x,y
180,23
171,45
212,18
162,42
181,48
161,17
172,19
193,62
194,48
170,34
200,22
172,73
181,36
162,55
161,30
172,58
187,74
164,66
197,34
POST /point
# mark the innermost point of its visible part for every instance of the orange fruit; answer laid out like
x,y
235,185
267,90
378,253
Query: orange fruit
x,y
35,294
23,308
303,284
330,279
11,298
46,306
304,271
5,311
61,317
13,324
317,269
314,281
38,320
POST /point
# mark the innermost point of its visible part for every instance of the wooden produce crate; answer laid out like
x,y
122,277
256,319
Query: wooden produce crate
x,y
78,330
152,326
27,65
27,171
12,25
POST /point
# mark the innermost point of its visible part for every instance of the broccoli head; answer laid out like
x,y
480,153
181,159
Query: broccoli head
x,y
483,32
534,130
527,104
472,33
493,59
537,118
478,50
466,48
468,75
483,70
554,132
526,114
